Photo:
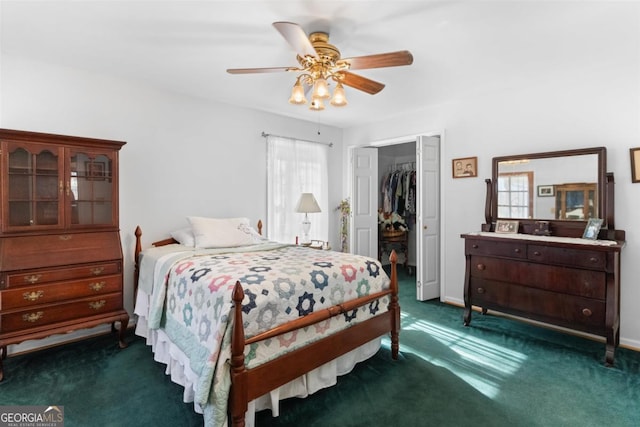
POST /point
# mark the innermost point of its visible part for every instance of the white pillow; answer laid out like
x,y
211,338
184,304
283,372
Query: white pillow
x,y
184,236
221,232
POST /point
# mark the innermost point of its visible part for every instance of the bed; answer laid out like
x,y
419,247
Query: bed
x,y
244,323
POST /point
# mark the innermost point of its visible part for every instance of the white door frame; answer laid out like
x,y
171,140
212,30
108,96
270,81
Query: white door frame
x,y
403,140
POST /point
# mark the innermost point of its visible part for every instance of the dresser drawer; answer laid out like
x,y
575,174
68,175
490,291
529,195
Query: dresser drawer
x,y
47,315
574,281
567,256
53,292
32,277
493,248
538,304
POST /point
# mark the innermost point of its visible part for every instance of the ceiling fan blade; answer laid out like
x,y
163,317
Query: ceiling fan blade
x,y
380,60
259,70
361,83
296,37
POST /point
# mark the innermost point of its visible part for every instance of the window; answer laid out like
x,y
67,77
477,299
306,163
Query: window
x,y
295,167
515,195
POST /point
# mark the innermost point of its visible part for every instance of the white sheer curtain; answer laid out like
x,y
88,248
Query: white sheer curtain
x,y
295,167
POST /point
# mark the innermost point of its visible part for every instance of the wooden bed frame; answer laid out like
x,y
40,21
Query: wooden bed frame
x,y
249,384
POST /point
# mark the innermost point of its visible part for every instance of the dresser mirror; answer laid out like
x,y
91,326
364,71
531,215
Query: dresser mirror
x,y
561,185
552,193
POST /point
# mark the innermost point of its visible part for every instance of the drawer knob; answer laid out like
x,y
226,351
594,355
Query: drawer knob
x,y
96,286
481,267
97,271
593,259
65,237
97,305
32,317
537,253
474,246
33,295
586,312
516,250
33,278
481,290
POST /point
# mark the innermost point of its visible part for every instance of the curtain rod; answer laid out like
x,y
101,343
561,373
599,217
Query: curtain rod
x,y
330,144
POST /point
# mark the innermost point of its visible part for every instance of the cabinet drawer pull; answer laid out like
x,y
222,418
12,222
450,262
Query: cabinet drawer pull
x,y
474,246
481,267
586,312
593,259
96,286
33,317
33,295
536,253
33,278
481,290
97,305
516,250
65,237
97,271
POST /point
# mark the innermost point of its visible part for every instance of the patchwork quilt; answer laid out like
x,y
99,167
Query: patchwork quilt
x,y
192,303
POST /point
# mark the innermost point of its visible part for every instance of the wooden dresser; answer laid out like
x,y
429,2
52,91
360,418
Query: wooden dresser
x,y
60,250
569,282
544,270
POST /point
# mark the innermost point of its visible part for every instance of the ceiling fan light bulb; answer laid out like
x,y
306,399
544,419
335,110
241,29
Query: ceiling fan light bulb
x,y
297,94
321,89
339,98
316,104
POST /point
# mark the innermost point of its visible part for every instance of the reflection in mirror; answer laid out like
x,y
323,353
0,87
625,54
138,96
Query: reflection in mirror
x,y
549,188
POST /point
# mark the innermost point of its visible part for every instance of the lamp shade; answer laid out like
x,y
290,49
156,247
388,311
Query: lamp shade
x,y
307,204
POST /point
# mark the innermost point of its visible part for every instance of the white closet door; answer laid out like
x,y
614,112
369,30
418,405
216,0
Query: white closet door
x,y
428,218
364,202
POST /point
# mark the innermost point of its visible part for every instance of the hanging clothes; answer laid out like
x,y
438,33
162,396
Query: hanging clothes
x,y
398,190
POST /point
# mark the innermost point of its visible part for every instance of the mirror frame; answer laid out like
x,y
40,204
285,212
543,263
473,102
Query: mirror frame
x,y
560,227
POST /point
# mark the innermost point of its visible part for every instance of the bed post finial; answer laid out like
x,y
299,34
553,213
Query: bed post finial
x,y
239,391
394,307
260,227
136,262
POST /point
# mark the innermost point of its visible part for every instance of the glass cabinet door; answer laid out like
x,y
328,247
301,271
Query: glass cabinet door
x,y
91,189
34,186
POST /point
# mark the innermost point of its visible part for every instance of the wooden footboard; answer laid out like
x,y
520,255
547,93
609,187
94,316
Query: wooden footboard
x,y
249,384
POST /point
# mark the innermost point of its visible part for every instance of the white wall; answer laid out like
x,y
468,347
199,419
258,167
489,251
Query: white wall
x,y
183,156
573,108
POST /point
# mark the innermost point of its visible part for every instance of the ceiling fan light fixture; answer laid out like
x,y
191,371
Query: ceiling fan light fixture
x,y
339,98
321,89
316,104
297,94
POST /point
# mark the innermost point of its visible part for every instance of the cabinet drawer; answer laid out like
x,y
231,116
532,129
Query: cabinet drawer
x,y
46,315
53,292
33,277
493,248
574,281
539,304
567,256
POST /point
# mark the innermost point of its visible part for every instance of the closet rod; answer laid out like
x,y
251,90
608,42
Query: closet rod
x,y
264,135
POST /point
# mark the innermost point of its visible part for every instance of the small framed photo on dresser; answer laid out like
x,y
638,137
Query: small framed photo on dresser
x,y
507,227
592,229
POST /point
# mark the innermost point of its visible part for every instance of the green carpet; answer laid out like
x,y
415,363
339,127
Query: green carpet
x,y
497,372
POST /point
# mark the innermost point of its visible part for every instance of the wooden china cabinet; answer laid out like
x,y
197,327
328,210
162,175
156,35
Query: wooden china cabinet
x,y
60,251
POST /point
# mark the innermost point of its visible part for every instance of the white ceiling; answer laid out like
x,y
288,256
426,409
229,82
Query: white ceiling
x,y
461,49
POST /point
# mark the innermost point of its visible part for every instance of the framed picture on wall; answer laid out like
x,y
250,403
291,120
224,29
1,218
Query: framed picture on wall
x,y
546,190
466,167
95,171
635,164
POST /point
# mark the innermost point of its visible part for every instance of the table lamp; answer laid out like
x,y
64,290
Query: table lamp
x,y
307,204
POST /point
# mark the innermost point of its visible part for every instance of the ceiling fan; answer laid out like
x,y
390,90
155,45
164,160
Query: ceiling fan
x,y
320,62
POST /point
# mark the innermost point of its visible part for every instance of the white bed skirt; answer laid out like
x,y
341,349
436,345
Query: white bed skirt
x,y
180,372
